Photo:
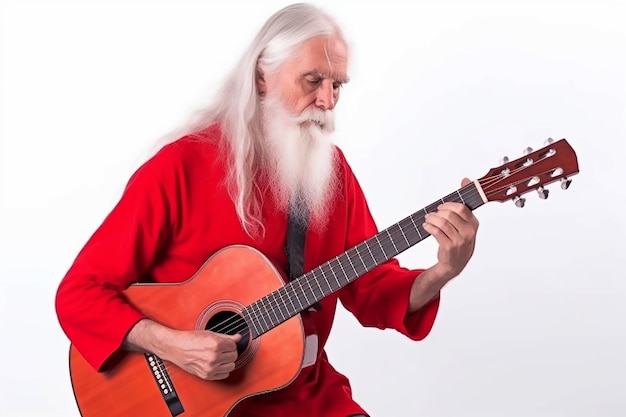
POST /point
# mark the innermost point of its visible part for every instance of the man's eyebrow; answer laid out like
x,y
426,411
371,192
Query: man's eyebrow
x,y
319,74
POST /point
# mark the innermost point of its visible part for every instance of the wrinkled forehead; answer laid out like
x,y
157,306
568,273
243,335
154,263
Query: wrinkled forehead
x,y
324,55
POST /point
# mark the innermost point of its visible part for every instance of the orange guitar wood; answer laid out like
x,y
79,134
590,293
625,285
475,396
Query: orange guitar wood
x,y
234,276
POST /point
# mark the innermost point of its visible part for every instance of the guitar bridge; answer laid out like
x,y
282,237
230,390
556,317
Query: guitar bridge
x,y
164,383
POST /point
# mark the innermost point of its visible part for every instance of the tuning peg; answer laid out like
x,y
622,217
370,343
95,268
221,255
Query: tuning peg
x,y
504,160
565,183
549,141
543,193
529,161
519,201
511,190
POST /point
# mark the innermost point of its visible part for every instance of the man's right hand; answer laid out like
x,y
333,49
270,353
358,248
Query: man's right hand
x,y
202,353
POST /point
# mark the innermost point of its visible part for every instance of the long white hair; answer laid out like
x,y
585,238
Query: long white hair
x,y
237,106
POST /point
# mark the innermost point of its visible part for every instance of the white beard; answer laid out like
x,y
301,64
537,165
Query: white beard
x,y
300,159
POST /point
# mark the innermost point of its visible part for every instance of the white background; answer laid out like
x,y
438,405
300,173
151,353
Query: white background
x,y
440,90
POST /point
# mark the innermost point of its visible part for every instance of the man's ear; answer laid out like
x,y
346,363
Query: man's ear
x,y
260,81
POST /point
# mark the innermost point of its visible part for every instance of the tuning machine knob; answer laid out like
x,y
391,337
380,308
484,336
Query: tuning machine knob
x,y
529,161
565,183
543,193
519,201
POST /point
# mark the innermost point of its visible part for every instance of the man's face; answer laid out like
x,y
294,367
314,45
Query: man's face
x,y
311,78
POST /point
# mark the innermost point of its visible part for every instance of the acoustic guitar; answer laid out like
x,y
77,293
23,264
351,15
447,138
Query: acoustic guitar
x,y
238,290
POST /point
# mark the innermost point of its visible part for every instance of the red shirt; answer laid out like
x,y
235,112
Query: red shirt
x,y
173,215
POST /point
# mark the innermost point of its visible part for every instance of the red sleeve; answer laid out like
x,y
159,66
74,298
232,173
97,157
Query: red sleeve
x,y
380,298
90,309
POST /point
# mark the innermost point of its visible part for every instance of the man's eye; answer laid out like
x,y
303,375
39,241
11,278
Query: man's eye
x,y
313,81
337,85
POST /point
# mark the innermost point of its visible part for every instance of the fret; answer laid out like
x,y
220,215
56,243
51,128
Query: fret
x,y
321,269
333,270
287,288
277,307
392,242
256,316
404,236
251,320
326,280
263,316
273,310
380,245
353,261
308,283
254,330
309,293
282,297
342,270
402,241
347,256
302,306
460,196
280,305
366,243
417,229
324,276
432,208
358,252
319,286
379,251
303,294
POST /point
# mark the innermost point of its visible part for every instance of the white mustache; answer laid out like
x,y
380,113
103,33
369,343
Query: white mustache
x,y
324,119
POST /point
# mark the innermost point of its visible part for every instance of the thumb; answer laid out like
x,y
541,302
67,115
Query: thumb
x,y
465,181
234,337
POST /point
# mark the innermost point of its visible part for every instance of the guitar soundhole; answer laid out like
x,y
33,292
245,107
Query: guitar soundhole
x,y
228,322
225,317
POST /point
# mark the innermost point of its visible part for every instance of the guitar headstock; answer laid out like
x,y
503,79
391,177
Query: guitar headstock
x,y
554,162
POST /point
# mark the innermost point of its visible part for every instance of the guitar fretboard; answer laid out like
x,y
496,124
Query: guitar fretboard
x,y
301,293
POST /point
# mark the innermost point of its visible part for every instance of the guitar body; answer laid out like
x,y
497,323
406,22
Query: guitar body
x,y
230,280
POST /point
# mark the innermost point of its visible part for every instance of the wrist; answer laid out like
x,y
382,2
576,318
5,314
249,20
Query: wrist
x,y
150,336
439,274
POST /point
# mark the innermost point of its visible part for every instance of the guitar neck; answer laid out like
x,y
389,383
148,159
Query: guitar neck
x,y
303,292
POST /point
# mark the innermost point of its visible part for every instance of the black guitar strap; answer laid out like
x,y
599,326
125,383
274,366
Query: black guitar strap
x,y
296,238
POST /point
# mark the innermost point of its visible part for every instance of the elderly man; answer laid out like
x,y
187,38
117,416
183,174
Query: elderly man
x,y
258,158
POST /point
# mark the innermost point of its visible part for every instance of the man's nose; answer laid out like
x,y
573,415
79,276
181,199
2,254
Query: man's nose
x,y
325,95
